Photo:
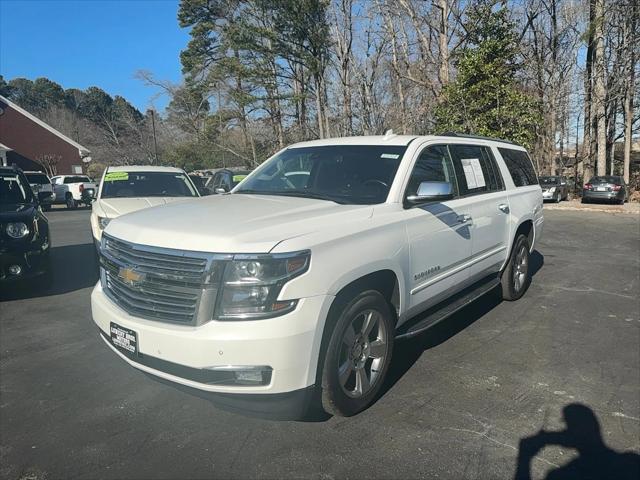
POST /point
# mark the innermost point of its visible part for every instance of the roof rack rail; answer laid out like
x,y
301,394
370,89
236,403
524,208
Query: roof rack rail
x,y
477,137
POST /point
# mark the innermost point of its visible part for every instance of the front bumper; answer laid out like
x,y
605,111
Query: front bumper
x,y
182,354
33,263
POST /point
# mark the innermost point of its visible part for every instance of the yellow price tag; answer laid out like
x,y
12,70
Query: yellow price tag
x,y
116,176
238,178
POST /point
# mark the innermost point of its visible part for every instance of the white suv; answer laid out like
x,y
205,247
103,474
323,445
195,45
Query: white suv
x,y
279,291
131,188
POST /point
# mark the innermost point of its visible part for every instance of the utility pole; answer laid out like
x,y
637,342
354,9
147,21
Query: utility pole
x,y
155,143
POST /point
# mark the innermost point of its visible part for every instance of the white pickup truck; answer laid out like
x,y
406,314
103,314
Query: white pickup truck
x,y
73,190
279,296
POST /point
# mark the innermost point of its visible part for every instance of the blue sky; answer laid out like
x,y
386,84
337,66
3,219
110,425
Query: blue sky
x,y
83,43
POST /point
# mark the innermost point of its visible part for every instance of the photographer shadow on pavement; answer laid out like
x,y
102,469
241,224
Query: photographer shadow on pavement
x,y
595,460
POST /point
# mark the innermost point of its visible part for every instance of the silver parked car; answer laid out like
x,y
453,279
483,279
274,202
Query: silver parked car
x,y
609,188
554,188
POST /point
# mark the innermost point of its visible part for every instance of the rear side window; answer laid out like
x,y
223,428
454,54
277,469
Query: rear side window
x,y
520,167
76,179
39,178
476,169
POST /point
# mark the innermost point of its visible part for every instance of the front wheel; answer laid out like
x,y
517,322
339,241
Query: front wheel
x,y
516,276
358,355
71,203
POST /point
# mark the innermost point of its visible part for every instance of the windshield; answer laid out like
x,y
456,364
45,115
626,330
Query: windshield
x,y
605,179
39,178
14,190
146,184
549,180
351,174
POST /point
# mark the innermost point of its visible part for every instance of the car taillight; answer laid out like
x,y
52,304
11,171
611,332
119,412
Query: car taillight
x,y
617,188
588,186
81,188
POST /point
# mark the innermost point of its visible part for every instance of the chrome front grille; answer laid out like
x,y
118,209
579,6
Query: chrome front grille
x,y
160,284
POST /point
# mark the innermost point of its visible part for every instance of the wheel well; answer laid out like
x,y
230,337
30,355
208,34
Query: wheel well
x,y
525,228
384,281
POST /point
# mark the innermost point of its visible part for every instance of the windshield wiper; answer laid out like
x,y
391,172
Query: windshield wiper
x,y
294,193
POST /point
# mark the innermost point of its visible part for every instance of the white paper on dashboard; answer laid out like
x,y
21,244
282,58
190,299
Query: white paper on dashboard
x,y
473,172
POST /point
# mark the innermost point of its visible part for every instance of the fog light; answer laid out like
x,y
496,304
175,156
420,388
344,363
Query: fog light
x,y
249,376
243,375
15,270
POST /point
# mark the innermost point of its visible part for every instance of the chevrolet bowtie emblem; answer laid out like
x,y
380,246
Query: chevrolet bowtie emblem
x,y
130,276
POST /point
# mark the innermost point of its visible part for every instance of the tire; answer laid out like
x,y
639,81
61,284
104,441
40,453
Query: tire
x,y
354,369
71,203
516,276
558,198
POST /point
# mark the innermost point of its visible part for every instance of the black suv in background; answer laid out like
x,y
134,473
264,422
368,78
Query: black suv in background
x,y
24,230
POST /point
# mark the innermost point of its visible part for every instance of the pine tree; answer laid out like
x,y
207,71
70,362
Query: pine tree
x,y
486,97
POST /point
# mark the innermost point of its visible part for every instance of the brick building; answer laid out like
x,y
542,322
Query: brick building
x,y
31,144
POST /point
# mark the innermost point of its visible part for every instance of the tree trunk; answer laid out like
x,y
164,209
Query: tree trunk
x,y
443,41
631,24
599,89
587,152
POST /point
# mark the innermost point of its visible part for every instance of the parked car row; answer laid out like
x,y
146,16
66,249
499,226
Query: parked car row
x,y
608,188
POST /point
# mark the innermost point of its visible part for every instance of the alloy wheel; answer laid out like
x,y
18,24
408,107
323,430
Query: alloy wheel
x,y
520,268
363,352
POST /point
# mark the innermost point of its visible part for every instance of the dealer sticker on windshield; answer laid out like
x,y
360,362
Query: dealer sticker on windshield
x,y
116,176
238,178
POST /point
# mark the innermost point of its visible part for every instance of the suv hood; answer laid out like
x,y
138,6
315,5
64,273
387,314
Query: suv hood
x,y
114,207
235,223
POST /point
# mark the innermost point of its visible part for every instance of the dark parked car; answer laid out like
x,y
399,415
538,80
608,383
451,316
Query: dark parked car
x,y
609,188
24,229
226,179
554,188
199,182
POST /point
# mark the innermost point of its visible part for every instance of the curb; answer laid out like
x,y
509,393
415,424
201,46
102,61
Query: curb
x,y
592,209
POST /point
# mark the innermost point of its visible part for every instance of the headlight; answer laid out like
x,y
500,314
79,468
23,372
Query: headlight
x,y
252,283
17,230
552,189
103,222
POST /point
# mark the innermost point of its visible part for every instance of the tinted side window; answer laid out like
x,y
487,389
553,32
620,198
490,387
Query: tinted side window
x,y
520,167
476,169
433,165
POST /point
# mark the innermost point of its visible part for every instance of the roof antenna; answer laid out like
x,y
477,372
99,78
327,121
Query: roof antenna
x,y
388,134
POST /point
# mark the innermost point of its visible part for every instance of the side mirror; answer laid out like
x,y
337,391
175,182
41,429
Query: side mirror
x,y
220,190
430,192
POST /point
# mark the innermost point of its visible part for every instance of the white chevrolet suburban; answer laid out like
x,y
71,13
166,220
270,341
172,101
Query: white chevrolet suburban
x,y
281,295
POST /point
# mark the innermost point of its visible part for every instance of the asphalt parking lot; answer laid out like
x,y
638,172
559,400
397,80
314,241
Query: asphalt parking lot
x,y
460,400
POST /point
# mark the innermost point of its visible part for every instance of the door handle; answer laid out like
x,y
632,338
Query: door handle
x,y
464,218
503,207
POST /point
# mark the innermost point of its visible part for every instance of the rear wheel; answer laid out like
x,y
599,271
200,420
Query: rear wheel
x,y
358,355
516,276
71,203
